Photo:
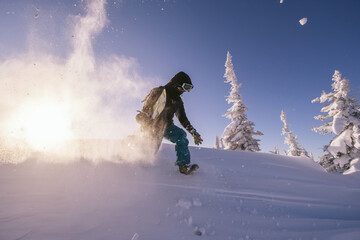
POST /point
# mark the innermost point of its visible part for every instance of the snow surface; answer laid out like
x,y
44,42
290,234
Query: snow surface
x,y
234,195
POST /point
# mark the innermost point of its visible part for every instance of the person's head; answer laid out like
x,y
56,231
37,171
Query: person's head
x,y
182,82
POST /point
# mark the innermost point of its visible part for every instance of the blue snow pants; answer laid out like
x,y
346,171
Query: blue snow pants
x,y
178,136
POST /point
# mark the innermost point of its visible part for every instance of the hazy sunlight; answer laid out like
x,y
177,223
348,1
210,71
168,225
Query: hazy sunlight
x,y
45,125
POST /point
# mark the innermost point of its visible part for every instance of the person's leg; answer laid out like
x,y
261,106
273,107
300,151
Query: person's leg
x,y
178,136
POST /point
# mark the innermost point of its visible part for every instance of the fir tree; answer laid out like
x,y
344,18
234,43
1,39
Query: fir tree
x,y
276,150
217,143
343,120
295,148
222,143
238,135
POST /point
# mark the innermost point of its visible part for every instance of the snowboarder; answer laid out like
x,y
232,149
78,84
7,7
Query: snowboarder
x,y
157,115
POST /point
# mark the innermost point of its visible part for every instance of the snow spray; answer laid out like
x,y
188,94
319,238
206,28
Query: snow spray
x,y
70,106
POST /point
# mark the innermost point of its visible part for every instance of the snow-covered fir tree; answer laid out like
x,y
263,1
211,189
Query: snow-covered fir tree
x,y
295,148
222,143
276,150
238,135
217,143
343,120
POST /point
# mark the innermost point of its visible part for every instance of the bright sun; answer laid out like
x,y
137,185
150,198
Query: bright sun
x,y
45,125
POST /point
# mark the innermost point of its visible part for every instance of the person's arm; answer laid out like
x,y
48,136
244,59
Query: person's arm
x,y
181,115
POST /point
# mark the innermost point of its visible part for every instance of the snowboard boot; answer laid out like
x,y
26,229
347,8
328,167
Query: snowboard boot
x,y
183,169
188,169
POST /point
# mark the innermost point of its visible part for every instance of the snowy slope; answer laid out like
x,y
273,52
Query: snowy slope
x,y
234,195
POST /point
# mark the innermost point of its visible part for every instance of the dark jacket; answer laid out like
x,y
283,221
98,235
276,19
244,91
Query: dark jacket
x,y
174,104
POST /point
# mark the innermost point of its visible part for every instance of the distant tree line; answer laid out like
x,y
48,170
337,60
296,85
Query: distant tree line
x,y
342,119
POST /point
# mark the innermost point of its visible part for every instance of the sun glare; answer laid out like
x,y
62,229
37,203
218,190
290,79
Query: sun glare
x,y
45,125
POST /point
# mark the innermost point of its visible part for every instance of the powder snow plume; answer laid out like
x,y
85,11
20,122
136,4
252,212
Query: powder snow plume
x,y
67,105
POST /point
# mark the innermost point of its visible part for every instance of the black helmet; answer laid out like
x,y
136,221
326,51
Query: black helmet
x,y
179,79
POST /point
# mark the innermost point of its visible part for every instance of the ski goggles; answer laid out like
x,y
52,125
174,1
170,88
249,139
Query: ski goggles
x,y
186,87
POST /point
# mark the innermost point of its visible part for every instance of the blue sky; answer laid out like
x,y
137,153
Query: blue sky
x,y
281,64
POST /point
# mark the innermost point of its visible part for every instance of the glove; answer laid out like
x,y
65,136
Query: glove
x,y
197,139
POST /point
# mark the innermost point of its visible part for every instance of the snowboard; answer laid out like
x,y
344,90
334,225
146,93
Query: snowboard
x,y
159,105
192,169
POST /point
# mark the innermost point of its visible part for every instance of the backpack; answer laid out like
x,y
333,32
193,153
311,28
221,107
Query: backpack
x,y
154,104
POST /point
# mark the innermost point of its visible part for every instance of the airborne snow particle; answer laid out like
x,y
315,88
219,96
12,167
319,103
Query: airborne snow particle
x,y
135,237
303,21
281,1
